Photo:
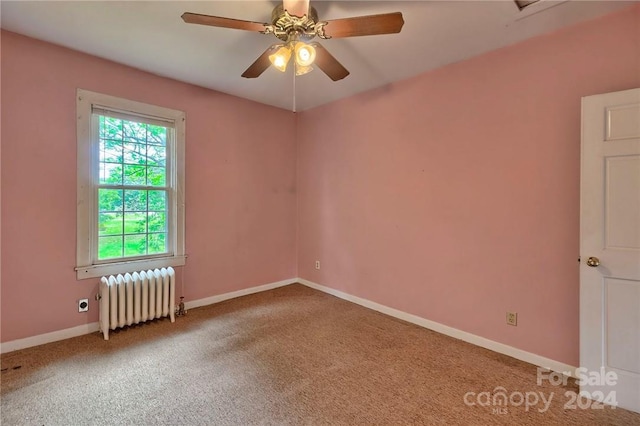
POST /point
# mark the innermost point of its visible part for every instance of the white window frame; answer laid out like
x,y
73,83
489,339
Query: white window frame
x,y
87,264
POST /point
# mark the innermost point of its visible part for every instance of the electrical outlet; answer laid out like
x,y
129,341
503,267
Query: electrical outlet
x,y
512,318
83,305
317,264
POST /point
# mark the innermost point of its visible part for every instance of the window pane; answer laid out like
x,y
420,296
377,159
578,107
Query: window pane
x,y
156,135
110,200
135,200
109,247
135,245
110,173
156,155
157,176
110,224
110,128
157,222
134,132
135,223
157,243
135,153
110,151
157,201
134,175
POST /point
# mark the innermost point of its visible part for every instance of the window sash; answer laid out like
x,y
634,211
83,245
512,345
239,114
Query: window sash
x,y
167,226
133,116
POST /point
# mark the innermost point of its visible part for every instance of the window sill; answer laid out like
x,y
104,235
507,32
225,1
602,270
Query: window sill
x,y
93,271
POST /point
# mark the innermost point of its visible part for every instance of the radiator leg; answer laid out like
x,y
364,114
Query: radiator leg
x,y
172,293
103,297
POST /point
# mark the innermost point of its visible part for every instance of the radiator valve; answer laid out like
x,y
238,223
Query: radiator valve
x,y
181,311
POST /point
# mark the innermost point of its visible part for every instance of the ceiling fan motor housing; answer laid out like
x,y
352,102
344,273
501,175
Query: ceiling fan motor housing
x,y
288,27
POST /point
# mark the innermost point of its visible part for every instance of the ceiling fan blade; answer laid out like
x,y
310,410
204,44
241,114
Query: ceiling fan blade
x,y
387,23
328,64
260,64
296,7
217,21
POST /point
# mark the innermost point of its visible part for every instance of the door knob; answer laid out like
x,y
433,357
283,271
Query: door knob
x,y
593,262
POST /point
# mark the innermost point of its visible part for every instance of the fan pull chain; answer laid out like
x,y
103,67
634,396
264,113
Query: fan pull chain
x,y
294,89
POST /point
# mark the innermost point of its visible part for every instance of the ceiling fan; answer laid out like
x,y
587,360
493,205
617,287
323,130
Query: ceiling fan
x,y
295,23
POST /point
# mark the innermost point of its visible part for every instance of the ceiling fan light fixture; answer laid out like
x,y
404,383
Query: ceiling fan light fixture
x,y
305,54
302,70
280,59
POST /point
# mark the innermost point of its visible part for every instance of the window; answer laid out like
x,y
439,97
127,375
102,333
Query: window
x,y
130,186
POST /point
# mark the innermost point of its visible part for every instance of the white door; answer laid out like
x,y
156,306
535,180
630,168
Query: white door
x,y
610,248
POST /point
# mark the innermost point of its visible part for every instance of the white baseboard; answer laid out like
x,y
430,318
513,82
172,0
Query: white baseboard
x,y
80,330
525,356
226,296
54,336
529,357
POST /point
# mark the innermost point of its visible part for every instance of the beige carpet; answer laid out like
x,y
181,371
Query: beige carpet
x,y
287,356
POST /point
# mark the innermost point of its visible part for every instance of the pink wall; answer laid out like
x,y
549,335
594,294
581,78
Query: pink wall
x,y
240,184
454,195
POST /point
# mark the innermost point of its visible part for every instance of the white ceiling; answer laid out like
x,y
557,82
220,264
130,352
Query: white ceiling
x,y
150,35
